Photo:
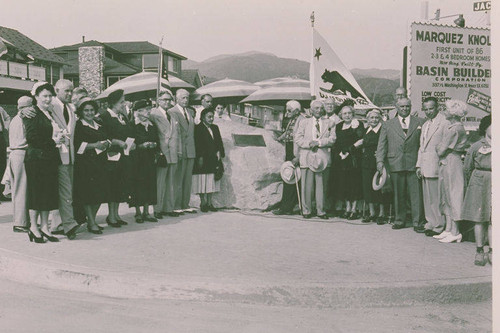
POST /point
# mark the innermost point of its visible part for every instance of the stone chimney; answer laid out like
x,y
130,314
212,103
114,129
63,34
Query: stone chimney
x,y
91,64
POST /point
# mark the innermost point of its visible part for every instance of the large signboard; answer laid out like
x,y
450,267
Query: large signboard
x,y
449,62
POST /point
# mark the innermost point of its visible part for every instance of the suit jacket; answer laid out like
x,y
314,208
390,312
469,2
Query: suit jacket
x,y
68,152
186,130
399,151
304,136
432,135
168,135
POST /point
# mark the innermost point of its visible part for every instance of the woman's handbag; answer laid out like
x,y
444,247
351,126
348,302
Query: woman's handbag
x,y
161,160
219,170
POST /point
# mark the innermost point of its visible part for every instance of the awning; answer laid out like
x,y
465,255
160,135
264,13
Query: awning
x,y
15,84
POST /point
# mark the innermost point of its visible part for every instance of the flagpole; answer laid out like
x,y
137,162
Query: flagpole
x,y
160,67
311,69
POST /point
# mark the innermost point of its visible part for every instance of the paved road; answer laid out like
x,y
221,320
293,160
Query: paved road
x,y
32,309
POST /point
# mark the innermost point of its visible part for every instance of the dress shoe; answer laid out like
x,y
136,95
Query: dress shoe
x,y
32,238
280,212
369,219
149,218
429,232
353,216
121,222
112,224
398,226
419,230
381,220
71,234
58,232
50,238
442,235
307,216
18,228
180,212
138,218
212,208
324,217
172,214
452,239
204,208
98,226
190,210
480,259
159,216
93,231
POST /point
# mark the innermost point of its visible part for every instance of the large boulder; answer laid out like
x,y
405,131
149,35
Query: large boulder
x,y
251,179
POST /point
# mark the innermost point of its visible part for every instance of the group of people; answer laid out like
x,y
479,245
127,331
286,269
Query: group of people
x,y
415,166
68,157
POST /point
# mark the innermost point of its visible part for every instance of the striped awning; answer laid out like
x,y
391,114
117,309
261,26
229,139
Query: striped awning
x,y
227,88
282,91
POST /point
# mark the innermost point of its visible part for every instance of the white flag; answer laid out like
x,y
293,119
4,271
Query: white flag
x,y
331,79
3,47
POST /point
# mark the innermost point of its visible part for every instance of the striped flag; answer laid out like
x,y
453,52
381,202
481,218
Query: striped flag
x,y
331,79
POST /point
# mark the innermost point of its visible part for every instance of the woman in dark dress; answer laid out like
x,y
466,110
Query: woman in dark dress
x,y
345,177
143,191
41,162
90,177
369,168
119,130
209,152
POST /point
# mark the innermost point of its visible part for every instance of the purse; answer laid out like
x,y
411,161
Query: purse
x,y
219,170
161,161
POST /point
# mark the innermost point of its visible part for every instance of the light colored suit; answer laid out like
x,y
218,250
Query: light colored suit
x,y
67,153
428,162
185,165
170,146
313,182
399,152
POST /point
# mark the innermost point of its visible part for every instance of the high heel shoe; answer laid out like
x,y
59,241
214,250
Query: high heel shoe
x,y
112,224
32,237
96,232
49,238
452,239
442,235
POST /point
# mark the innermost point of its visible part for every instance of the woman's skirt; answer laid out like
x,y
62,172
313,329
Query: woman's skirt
x,y
205,183
451,186
43,185
477,202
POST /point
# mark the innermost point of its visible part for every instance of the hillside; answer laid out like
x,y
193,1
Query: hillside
x,y
378,84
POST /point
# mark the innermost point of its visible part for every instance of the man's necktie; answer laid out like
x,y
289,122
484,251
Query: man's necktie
x,y
186,115
317,128
405,128
66,114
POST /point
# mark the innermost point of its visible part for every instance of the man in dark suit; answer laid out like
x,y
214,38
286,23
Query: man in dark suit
x,y
398,146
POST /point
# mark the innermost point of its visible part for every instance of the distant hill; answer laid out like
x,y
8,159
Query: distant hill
x,y
378,84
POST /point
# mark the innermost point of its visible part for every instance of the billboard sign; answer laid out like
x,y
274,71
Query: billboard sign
x,y
449,62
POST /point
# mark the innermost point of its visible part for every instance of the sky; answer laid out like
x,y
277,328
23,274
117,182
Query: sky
x,y
364,33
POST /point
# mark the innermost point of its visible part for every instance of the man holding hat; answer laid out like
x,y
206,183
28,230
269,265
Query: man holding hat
x,y
314,136
289,196
398,146
18,180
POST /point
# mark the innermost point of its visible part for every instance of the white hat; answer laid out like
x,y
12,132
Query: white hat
x,y
379,180
36,85
289,173
317,161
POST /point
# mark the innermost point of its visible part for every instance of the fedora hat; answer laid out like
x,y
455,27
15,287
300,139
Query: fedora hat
x,y
317,161
288,173
379,180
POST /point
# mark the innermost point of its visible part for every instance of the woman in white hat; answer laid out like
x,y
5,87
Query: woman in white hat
x,y
451,177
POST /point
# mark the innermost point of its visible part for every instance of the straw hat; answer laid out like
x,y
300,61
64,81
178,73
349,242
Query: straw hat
x,y
379,180
288,173
317,161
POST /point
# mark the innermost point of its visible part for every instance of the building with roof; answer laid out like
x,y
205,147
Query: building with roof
x,y
122,59
23,62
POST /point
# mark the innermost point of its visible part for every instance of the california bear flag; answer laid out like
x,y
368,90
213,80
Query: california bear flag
x,y
331,79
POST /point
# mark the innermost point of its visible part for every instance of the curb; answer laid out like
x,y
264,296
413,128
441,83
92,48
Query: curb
x,y
60,276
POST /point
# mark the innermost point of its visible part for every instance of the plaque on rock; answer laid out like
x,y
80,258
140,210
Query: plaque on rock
x,y
248,140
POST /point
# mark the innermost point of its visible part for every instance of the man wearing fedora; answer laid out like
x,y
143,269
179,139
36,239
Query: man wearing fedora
x,y
314,136
428,164
289,197
397,149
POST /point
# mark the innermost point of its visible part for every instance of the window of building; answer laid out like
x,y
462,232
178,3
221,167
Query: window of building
x,y
113,79
149,61
174,65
